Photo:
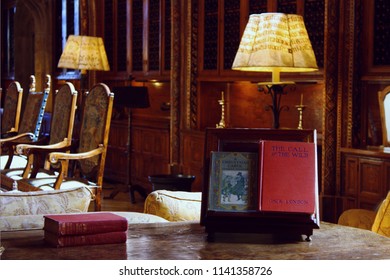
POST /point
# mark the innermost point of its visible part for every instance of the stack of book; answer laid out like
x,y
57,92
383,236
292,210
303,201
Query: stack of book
x,y
85,229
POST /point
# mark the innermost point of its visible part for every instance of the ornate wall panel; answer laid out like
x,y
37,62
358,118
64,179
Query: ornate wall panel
x,y
121,42
137,35
330,133
210,61
154,35
381,33
287,6
175,83
231,34
314,21
109,30
193,66
167,36
257,6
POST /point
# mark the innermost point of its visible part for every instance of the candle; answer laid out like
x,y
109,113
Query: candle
x,y
301,99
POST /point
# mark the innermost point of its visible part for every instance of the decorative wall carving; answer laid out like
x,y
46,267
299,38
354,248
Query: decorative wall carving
x,y
192,64
176,52
330,133
381,33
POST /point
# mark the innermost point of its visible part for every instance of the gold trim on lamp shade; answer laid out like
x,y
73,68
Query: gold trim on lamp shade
x,y
275,42
84,53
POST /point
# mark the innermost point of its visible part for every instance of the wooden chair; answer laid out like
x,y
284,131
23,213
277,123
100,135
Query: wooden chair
x,y
384,109
11,109
89,161
61,131
376,221
30,124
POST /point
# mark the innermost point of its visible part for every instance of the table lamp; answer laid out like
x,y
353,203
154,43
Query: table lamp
x,y
84,53
275,42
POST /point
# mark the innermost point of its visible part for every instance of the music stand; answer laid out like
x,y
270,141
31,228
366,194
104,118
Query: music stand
x,y
130,97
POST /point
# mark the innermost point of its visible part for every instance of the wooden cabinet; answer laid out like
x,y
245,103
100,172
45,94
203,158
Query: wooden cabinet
x,y
192,157
365,178
117,152
137,38
149,150
149,154
157,38
115,15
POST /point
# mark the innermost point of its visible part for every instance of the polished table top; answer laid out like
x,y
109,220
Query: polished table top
x,y
187,241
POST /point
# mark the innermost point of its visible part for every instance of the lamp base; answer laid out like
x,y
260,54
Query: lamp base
x,y
276,90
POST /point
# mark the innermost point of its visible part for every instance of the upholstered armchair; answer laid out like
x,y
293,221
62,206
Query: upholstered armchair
x,y
35,153
378,221
12,107
86,161
29,126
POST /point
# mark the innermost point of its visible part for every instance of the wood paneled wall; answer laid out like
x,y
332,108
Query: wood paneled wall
x,y
350,38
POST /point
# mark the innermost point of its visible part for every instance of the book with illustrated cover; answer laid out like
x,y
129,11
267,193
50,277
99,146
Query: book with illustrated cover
x,y
287,177
85,239
233,181
85,223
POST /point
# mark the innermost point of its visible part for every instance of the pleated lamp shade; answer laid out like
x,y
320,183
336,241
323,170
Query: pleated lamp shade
x,y
84,53
275,42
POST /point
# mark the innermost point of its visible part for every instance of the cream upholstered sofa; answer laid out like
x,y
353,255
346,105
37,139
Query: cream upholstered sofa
x,y
26,210
174,206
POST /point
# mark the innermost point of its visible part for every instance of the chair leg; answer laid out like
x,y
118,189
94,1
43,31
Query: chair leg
x,y
117,190
98,201
139,189
131,188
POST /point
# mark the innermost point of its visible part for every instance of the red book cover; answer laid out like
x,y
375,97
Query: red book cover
x,y
86,223
85,239
288,176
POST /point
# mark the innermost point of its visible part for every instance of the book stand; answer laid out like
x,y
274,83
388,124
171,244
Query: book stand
x,y
247,140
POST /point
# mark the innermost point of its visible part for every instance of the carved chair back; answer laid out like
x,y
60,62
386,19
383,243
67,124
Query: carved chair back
x,y
35,107
94,130
384,109
11,109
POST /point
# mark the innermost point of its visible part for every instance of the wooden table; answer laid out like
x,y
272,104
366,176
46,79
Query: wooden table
x,y
187,241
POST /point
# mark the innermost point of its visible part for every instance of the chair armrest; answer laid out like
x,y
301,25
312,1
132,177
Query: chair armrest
x,y
16,137
56,156
10,144
63,158
27,149
37,155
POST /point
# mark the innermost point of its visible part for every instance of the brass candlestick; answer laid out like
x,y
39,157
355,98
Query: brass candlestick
x,y
221,102
300,109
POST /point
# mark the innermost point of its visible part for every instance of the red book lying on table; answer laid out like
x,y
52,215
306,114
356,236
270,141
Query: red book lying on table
x,y
86,223
85,229
85,239
287,176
